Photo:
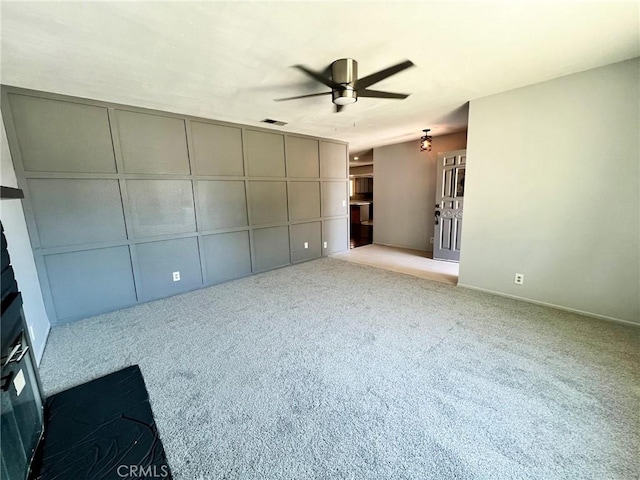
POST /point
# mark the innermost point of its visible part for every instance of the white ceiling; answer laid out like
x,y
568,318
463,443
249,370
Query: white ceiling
x,y
229,60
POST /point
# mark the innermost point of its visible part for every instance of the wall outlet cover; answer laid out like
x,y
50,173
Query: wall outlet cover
x,y
306,244
176,276
519,280
324,244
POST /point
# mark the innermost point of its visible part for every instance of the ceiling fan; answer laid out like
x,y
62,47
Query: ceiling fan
x,y
345,85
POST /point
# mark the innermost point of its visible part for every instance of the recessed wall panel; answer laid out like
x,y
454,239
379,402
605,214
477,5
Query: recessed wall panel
x,y
227,256
152,143
265,154
161,207
304,200
76,211
157,262
306,241
334,199
271,248
90,281
217,149
268,202
335,233
333,160
59,136
302,157
223,204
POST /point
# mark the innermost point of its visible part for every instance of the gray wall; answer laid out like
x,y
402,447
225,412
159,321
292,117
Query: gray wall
x,y
118,198
552,192
404,191
13,221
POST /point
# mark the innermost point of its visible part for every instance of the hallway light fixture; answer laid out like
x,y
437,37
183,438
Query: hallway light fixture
x,y
425,141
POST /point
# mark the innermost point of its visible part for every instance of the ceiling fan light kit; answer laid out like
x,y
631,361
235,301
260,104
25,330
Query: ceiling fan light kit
x,y
345,85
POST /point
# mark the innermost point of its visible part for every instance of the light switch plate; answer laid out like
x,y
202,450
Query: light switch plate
x,y
19,382
306,244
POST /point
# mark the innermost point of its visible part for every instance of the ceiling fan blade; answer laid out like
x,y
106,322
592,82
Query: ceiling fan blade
x,y
301,96
379,94
382,74
316,76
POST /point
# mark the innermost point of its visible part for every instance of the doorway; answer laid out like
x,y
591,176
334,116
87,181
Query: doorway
x,y
361,209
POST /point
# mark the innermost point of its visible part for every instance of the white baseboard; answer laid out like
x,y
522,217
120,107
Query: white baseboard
x,y
552,305
43,345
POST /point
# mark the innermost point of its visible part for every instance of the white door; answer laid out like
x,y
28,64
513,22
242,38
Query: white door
x,y
449,205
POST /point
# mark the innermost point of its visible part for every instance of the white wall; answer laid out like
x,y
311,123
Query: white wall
x,y
552,192
404,191
19,247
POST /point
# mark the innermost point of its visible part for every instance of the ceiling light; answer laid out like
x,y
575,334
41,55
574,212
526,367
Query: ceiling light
x,y
345,96
425,141
355,158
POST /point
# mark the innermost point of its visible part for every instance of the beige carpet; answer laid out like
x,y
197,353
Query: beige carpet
x,y
403,260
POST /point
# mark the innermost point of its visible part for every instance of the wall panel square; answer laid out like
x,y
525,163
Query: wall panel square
x,y
161,207
271,248
90,281
304,200
309,233
58,136
334,199
265,154
333,160
223,204
158,260
76,211
268,202
217,149
227,256
153,143
302,157
335,233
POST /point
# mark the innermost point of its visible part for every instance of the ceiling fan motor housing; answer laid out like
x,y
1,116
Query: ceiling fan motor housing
x,y
344,72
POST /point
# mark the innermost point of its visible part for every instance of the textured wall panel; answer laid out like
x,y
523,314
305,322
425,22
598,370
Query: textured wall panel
x,y
271,248
227,256
268,201
76,211
309,233
161,207
302,157
59,136
217,149
223,204
158,260
265,154
334,199
333,160
304,200
152,143
335,233
90,281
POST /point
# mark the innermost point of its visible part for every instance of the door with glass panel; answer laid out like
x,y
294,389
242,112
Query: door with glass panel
x,y
449,205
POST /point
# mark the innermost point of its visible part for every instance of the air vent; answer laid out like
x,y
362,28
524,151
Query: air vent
x,y
274,122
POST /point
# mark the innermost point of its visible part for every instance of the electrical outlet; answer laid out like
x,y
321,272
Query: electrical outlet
x,y
306,244
344,203
324,244
519,278
176,276
431,240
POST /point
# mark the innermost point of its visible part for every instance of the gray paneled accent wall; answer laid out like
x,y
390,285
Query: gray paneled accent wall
x,y
120,200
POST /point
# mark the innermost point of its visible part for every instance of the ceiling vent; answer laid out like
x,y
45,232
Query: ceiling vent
x,y
274,122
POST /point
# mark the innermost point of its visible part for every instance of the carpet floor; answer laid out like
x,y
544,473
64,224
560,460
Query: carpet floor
x,y
334,370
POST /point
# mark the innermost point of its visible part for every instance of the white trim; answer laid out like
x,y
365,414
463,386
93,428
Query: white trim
x,y
552,305
43,345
